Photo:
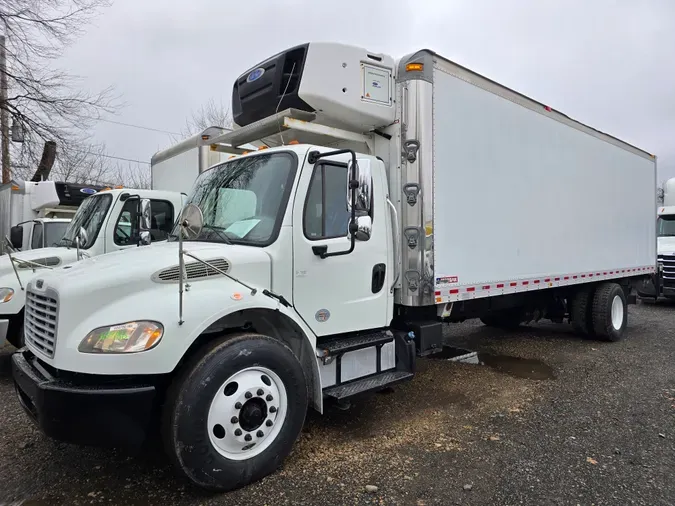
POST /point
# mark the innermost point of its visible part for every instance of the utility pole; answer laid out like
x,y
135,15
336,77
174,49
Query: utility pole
x,y
4,115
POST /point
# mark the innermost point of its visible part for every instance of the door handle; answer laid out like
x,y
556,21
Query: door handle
x,y
320,251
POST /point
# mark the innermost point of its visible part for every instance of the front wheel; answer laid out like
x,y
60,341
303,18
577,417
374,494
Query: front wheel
x,y
233,415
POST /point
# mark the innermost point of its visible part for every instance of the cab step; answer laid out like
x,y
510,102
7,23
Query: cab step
x,y
369,384
343,345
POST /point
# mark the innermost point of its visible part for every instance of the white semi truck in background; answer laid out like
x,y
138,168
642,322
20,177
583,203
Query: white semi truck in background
x,y
665,248
394,196
36,214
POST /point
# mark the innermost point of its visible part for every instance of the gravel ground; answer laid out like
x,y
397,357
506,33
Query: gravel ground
x,y
549,419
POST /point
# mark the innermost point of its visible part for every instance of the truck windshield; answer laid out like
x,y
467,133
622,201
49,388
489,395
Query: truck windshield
x,y
53,232
90,216
665,226
243,200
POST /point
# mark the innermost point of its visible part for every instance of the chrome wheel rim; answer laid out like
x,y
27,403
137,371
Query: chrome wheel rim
x,y
617,313
247,413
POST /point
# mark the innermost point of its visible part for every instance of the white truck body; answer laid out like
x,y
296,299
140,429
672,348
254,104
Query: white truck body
x,y
665,236
36,214
469,200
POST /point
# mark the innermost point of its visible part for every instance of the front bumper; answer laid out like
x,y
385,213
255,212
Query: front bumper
x,y
82,409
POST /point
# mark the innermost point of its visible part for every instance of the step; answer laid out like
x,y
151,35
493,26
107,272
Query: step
x,y
339,346
376,382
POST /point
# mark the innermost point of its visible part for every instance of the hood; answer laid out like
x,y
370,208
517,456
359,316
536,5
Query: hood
x,y
134,269
665,245
53,257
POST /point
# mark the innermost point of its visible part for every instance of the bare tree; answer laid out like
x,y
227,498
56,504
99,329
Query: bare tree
x,y
46,102
208,115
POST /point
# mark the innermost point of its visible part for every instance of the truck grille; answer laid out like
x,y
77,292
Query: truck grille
x,y
40,322
668,262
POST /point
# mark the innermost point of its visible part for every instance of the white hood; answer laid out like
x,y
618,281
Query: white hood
x,y
131,270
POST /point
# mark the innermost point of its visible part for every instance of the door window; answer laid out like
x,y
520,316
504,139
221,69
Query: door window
x,y
326,215
126,229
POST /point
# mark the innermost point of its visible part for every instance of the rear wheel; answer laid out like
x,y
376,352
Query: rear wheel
x,y
233,415
610,312
581,308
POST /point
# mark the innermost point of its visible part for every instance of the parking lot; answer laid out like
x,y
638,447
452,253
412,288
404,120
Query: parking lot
x,y
548,419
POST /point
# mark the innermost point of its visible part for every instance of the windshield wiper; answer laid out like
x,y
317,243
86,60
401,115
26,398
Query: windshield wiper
x,y
219,232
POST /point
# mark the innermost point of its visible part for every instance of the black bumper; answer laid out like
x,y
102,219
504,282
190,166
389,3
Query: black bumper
x,y
83,412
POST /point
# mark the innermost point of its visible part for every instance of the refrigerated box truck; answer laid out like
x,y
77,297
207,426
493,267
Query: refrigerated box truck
x,y
35,214
394,196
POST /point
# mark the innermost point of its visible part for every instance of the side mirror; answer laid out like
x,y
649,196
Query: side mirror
x,y
82,238
145,222
145,215
16,236
364,193
364,198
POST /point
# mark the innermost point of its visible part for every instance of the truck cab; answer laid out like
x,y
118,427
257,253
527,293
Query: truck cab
x,y
36,214
105,222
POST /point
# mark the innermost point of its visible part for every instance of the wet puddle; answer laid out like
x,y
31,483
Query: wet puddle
x,y
514,366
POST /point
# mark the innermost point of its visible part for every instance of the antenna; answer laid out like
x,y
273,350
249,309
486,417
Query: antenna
x,y
281,135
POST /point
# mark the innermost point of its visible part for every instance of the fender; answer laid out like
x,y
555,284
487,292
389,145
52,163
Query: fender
x,y
271,318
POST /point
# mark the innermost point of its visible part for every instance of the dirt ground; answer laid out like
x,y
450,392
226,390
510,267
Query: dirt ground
x,y
546,418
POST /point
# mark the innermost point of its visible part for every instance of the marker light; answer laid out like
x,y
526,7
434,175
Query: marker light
x,y
130,337
414,67
6,295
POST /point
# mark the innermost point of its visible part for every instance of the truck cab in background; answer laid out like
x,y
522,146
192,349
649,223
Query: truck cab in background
x,y
663,283
36,214
108,221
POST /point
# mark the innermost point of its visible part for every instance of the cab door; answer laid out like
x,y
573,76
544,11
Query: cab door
x,y
123,227
348,292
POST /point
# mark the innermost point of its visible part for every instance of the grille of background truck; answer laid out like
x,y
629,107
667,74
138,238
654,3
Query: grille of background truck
x,y
668,262
40,322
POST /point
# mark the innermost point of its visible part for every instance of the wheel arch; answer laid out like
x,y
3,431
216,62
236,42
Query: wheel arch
x,y
275,324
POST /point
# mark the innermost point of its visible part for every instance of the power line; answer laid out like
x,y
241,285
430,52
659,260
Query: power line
x,y
110,156
136,126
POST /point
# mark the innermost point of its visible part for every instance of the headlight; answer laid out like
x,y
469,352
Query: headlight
x,y
6,295
130,337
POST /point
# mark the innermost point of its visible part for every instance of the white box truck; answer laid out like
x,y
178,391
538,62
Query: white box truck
x,y
36,214
397,195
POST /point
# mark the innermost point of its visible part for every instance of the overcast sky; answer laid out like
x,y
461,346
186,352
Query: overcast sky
x,y
607,63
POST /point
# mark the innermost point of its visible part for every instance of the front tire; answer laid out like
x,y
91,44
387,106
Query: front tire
x,y
232,416
15,333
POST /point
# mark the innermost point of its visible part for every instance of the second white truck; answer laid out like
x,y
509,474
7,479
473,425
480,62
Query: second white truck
x,y
395,196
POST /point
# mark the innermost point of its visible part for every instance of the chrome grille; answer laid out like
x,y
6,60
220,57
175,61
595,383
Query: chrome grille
x,y
40,322
194,270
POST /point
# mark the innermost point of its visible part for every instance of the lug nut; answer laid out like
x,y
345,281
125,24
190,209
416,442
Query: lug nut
x,y
248,437
237,432
273,409
269,397
260,433
248,395
237,405
234,419
269,423
260,391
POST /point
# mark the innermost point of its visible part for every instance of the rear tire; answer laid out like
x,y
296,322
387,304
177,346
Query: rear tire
x,y
581,311
232,416
610,312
